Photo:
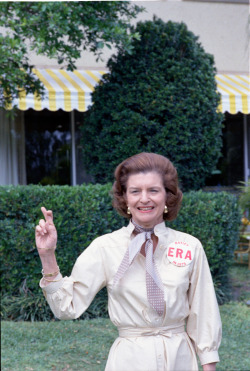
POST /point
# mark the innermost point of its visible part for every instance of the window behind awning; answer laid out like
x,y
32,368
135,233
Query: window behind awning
x,y
70,91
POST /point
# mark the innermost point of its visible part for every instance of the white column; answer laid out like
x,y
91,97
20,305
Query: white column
x,y
73,149
8,150
246,164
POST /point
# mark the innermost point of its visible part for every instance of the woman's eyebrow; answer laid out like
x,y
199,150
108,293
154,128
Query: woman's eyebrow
x,y
150,187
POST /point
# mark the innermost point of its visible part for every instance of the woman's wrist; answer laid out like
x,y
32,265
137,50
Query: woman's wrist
x,y
49,263
209,367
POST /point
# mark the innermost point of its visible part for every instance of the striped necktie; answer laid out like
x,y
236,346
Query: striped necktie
x,y
154,285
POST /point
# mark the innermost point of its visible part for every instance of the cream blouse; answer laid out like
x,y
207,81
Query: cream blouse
x,y
147,342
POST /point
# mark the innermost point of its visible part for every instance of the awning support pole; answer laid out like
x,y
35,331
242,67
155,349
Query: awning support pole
x,y
246,165
73,149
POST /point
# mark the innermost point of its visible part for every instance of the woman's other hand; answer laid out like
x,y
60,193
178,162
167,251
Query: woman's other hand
x,y
46,234
209,367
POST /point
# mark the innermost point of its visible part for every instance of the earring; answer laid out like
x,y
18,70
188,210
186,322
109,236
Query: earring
x,y
128,211
165,209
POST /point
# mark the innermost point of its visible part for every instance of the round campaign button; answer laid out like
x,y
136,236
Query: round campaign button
x,y
180,253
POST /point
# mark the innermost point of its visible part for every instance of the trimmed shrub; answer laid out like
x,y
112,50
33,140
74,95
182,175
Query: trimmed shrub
x,y
162,98
81,214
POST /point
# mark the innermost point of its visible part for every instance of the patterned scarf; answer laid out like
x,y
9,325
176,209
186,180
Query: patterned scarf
x,y
154,285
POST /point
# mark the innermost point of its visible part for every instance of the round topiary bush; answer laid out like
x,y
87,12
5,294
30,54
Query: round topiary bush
x,y
162,98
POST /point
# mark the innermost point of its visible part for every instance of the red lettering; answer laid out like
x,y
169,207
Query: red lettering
x,y
188,255
170,251
180,243
181,264
179,253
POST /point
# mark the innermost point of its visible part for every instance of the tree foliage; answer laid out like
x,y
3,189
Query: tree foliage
x,y
59,30
163,99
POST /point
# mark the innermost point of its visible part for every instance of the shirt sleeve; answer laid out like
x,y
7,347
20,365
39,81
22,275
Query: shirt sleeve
x,y
71,296
204,322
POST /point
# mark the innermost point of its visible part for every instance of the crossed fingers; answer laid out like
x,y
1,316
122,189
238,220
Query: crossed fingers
x,y
44,225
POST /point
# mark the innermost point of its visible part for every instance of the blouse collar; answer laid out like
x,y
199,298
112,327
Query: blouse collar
x,y
158,229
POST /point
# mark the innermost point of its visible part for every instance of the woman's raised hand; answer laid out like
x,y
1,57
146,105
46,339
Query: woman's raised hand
x,y
46,234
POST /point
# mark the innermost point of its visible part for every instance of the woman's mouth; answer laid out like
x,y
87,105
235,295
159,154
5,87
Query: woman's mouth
x,y
148,208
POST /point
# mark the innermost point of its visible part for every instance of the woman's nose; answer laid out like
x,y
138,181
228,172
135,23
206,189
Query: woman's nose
x,y
144,197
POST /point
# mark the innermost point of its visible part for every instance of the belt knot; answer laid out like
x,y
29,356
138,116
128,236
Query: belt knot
x,y
150,331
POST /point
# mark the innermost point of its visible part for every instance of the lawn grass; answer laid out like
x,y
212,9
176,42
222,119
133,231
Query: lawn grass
x,y
240,281
234,351
59,345
84,345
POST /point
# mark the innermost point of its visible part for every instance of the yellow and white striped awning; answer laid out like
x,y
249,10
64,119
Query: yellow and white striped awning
x,y
64,90
235,93
72,90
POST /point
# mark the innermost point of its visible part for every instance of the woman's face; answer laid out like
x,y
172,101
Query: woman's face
x,y
146,198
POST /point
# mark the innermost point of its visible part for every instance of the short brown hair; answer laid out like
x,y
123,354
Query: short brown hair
x,y
143,163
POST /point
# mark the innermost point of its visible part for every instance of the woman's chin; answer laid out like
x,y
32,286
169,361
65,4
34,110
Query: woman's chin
x,y
147,221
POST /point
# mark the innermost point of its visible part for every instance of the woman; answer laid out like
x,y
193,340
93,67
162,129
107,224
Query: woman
x,y
158,279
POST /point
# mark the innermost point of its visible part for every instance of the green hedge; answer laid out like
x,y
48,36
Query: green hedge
x,y
81,214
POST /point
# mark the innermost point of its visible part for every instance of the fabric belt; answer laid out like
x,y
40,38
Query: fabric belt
x,y
150,331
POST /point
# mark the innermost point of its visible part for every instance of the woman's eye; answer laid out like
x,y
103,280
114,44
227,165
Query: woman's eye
x,y
154,190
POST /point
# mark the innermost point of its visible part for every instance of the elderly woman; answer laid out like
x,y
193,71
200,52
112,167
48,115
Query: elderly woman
x,y
160,291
